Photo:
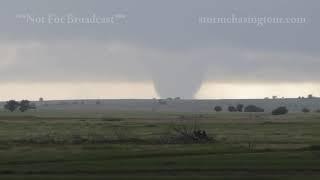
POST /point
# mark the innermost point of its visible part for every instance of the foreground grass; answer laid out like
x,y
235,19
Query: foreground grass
x,y
40,145
200,161
264,130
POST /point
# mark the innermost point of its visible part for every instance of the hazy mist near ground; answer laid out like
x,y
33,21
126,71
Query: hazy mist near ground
x,y
154,105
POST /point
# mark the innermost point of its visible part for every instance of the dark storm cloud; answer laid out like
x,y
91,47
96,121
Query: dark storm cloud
x,y
169,24
161,41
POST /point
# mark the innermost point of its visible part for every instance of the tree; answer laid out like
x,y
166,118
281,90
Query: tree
x,y
253,108
218,108
11,105
24,105
280,111
240,107
305,110
232,109
162,102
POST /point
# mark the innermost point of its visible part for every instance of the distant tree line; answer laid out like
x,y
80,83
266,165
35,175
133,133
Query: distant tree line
x,y
22,106
240,108
253,108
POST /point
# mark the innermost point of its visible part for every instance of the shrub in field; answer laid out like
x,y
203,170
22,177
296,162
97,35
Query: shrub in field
x,y
240,107
305,110
232,109
162,102
253,108
200,135
218,108
11,105
112,119
185,132
190,136
24,105
280,111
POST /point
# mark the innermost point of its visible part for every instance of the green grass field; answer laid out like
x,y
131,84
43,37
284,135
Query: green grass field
x,y
129,145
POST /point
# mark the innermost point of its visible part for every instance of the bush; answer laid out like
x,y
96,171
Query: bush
x,y
185,132
253,108
232,109
218,108
184,135
280,111
305,110
162,102
112,119
11,105
24,105
240,107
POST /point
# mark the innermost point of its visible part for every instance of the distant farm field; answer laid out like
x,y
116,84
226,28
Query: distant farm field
x,y
75,144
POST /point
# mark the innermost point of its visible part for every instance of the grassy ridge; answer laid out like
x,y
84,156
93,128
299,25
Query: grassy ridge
x,y
39,145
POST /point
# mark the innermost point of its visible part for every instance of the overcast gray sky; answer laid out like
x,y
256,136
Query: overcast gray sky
x,y
159,43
